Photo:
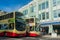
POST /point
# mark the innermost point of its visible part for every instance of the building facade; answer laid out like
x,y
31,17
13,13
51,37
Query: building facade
x,y
47,11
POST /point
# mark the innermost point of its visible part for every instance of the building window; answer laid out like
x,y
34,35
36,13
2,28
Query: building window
x,y
43,6
55,13
58,2
54,2
59,13
39,7
47,4
32,9
43,15
47,15
39,16
25,12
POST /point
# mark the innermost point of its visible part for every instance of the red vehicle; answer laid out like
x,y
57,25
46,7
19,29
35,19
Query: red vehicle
x,y
15,25
33,30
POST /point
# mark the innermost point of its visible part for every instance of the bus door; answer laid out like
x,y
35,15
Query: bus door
x,y
32,28
11,26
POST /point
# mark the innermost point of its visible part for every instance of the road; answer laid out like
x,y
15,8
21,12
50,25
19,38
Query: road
x,y
27,38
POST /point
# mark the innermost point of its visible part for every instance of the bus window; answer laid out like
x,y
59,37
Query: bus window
x,y
0,26
31,20
11,26
3,26
27,20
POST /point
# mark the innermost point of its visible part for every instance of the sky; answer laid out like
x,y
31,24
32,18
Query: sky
x,y
12,5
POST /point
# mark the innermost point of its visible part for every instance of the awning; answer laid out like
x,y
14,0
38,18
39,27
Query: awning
x,y
50,23
44,25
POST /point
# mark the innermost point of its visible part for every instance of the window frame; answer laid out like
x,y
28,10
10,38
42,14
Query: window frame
x,y
47,15
43,6
32,9
43,16
55,13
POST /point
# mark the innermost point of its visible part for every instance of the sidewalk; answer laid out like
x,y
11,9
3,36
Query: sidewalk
x,y
49,36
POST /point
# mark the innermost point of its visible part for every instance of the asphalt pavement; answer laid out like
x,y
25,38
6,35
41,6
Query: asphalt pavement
x,y
28,38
